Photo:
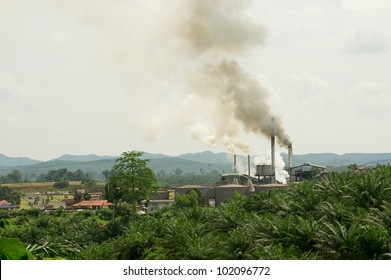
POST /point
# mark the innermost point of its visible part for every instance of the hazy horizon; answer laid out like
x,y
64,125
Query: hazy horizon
x,y
280,152
184,76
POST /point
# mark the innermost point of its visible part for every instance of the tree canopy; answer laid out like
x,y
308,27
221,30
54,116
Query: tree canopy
x,y
6,193
131,180
15,176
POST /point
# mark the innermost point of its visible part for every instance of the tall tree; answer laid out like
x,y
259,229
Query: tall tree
x,y
132,180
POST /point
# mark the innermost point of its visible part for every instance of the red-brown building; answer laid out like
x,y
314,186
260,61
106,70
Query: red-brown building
x,y
92,204
4,204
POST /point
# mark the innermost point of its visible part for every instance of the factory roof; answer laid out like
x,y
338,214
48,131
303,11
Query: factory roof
x,y
191,187
232,186
308,164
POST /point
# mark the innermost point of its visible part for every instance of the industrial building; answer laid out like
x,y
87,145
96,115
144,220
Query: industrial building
x,y
245,184
305,171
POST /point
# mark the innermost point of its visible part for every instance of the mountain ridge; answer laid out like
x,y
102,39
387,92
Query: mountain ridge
x,y
16,161
327,158
196,163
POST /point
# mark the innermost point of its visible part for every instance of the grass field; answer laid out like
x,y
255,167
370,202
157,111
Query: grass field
x,y
42,187
30,190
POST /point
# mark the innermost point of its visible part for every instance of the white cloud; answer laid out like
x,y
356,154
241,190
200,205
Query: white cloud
x,y
367,44
13,98
372,100
310,94
307,84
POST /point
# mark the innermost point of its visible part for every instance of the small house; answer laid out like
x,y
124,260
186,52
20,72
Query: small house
x,y
92,204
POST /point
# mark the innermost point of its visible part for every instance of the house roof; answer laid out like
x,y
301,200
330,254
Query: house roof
x,y
92,203
5,202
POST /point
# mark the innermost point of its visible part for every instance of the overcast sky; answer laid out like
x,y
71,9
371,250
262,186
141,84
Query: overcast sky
x,y
105,77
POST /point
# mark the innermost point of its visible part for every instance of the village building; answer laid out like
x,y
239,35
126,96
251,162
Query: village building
x,y
92,204
4,204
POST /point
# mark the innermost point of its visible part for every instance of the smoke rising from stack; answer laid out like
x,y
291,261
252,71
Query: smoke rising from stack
x,y
149,43
217,34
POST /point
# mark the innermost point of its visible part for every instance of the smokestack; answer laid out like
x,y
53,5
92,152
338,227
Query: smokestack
x,y
250,183
290,158
248,160
273,147
234,163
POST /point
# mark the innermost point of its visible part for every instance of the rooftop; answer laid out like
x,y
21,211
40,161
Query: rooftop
x,y
92,203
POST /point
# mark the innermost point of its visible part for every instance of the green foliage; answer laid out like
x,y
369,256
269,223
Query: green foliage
x,y
54,250
88,182
15,176
131,181
61,184
77,196
13,249
187,179
344,216
63,174
191,199
105,214
10,195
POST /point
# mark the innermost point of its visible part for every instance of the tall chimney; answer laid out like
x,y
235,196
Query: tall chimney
x,y
290,161
273,147
234,163
248,160
290,157
251,188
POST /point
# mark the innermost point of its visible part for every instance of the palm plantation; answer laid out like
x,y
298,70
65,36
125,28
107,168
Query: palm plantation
x,y
344,216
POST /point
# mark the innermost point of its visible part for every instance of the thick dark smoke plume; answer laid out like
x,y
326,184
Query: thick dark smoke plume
x,y
216,34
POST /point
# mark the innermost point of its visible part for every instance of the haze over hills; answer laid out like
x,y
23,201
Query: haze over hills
x,y
90,157
16,161
207,157
188,163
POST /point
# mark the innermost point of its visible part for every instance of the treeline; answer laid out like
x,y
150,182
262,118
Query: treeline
x,y
189,179
15,176
63,175
175,178
10,195
54,175
179,178
344,216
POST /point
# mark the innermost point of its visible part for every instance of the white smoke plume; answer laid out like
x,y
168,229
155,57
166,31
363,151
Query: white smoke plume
x,y
265,158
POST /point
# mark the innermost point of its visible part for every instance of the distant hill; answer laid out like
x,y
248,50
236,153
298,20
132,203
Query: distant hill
x,y
169,165
90,157
207,157
93,157
329,159
16,161
188,163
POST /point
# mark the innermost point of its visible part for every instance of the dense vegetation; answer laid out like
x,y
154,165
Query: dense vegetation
x,y
344,216
208,179
10,195
63,175
15,176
